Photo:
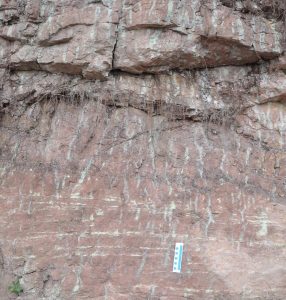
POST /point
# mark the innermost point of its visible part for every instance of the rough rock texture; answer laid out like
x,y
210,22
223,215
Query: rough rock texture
x,y
127,126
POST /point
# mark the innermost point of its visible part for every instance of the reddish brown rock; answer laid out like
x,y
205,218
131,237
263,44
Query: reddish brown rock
x,y
78,41
33,9
100,178
184,35
100,210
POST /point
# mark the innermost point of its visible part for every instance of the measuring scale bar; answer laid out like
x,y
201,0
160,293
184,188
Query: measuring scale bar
x,y
177,265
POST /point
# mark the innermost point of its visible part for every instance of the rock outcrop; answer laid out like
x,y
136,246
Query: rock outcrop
x,y
127,126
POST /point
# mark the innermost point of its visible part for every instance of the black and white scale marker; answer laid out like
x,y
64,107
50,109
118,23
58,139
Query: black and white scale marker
x,y
177,265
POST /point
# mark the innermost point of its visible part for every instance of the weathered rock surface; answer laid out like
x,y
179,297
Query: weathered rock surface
x,y
135,36
163,35
128,126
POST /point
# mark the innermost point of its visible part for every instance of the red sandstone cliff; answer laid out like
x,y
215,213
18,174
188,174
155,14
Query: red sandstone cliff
x,y
130,125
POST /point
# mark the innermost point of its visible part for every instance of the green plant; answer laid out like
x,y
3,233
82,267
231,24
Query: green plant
x,y
16,287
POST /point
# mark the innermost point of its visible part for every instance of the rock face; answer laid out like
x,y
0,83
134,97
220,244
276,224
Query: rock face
x,y
128,126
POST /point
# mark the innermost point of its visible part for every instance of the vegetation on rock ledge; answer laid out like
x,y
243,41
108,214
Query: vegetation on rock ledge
x,y
16,287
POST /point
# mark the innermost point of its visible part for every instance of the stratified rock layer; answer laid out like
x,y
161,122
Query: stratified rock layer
x,y
128,126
